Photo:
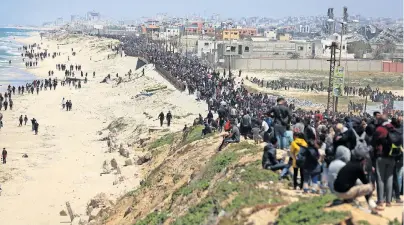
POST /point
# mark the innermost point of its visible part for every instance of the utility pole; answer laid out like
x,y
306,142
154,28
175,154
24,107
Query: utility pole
x,y
339,62
215,51
186,39
330,99
230,53
344,29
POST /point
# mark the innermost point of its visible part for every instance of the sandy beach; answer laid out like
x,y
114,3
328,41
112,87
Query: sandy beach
x,y
66,158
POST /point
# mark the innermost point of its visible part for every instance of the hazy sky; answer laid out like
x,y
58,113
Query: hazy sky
x,y
25,12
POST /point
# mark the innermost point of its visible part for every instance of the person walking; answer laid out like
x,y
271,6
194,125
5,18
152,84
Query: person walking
x,y
33,121
20,119
4,156
25,120
161,118
169,117
36,127
385,162
63,103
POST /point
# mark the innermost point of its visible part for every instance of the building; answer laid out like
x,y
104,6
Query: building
x,y
304,29
194,27
73,18
248,31
270,34
149,29
230,34
131,28
206,50
209,31
172,31
326,52
93,16
266,49
189,43
284,37
59,21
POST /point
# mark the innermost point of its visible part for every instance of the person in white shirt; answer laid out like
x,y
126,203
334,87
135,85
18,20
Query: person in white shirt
x,y
264,126
63,103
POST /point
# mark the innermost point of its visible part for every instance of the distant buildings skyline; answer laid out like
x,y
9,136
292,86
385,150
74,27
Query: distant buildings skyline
x,y
35,13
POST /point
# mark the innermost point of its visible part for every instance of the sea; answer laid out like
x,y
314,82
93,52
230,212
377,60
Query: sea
x,y
12,74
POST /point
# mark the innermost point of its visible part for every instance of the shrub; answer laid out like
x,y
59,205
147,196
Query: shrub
x,y
164,140
309,212
198,214
394,222
194,134
154,218
363,222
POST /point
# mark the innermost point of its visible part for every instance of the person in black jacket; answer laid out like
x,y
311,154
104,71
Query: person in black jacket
x,y
161,118
282,117
345,185
269,161
168,118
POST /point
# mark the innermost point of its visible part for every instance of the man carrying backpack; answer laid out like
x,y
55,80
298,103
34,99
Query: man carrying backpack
x,y
307,159
387,142
282,117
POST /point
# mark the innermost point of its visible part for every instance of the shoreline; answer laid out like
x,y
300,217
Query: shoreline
x,y
15,73
65,160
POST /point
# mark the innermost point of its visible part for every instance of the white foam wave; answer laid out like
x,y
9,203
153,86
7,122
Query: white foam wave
x,y
16,33
3,47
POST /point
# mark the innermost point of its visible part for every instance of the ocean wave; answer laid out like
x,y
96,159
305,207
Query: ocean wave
x,y
16,33
5,48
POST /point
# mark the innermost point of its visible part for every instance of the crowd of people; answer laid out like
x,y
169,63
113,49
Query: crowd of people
x,y
351,155
386,98
285,84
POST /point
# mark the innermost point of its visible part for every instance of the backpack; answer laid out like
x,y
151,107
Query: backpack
x,y
395,137
301,157
361,147
329,154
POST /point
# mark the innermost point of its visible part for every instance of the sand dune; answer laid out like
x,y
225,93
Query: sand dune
x,y
65,159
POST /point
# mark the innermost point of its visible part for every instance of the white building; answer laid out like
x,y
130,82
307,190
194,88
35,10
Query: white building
x,y
304,29
205,47
172,31
131,28
93,16
270,34
335,38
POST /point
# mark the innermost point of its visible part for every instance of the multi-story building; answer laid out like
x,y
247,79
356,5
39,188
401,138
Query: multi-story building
x,y
248,31
304,28
270,34
93,16
205,47
230,34
131,28
266,49
194,27
326,51
284,37
172,31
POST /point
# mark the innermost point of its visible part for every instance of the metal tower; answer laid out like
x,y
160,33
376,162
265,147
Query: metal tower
x,y
345,20
330,24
